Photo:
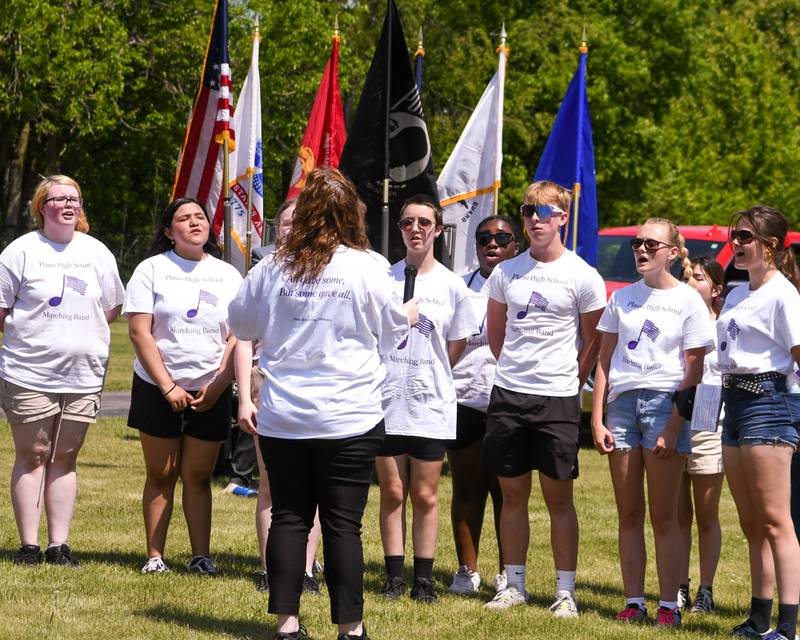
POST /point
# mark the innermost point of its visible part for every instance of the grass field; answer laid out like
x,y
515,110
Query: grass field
x,y
108,597
120,361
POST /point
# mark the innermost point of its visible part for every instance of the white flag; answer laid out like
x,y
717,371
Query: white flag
x,y
246,164
468,181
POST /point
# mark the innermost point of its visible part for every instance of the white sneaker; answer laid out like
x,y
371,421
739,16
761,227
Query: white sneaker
x,y
155,565
564,606
500,581
508,597
465,581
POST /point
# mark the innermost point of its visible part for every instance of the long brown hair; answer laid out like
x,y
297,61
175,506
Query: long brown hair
x,y
715,275
768,222
43,190
328,214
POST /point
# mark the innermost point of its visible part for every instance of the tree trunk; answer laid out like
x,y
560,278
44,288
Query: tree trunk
x,y
14,186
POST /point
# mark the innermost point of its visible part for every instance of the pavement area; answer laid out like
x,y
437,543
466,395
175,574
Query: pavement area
x,y
114,404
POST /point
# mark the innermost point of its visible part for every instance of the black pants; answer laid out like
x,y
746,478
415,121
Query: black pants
x,y
334,475
243,458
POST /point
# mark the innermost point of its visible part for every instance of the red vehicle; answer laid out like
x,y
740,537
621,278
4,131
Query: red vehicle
x,y
615,258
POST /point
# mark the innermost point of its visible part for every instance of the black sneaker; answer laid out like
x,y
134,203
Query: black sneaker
x,y
393,587
61,555
684,603
423,591
294,635
747,629
703,601
262,581
28,554
310,585
350,636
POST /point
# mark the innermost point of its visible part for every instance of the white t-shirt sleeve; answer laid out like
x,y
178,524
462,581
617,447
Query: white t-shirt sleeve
x,y
609,321
592,294
786,326
113,292
496,285
464,323
11,266
139,295
245,313
698,330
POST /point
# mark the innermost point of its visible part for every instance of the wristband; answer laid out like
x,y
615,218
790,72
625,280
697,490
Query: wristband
x,y
166,393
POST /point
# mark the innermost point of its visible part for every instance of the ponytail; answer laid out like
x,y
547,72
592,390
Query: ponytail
x,y
677,241
787,265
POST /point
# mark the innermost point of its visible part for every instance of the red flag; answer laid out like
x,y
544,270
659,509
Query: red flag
x,y
325,134
209,124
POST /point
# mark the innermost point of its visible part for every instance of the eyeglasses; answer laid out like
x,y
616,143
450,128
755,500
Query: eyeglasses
x,y
742,236
650,245
405,224
543,211
502,238
62,200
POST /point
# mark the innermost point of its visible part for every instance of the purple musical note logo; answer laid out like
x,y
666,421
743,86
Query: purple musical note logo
x,y
733,331
68,282
648,329
538,301
424,326
205,296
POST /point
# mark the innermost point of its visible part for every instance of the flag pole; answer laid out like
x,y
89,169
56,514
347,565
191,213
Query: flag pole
x,y
576,188
387,98
419,54
251,173
502,52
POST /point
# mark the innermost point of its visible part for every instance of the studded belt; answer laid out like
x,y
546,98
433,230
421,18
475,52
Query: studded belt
x,y
751,382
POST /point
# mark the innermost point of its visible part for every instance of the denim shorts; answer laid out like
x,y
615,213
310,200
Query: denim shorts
x,y
636,418
769,419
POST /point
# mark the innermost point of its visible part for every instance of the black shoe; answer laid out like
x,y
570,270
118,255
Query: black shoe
x,y
61,555
310,585
393,587
350,636
262,581
28,554
423,591
295,635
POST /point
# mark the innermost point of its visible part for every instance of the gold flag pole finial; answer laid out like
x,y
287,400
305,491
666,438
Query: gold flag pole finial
x,y
420,49
256,25
502,48
584,48
336,35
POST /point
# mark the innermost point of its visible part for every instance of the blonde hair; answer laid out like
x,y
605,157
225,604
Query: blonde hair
x,y
676,240
43,190
547,192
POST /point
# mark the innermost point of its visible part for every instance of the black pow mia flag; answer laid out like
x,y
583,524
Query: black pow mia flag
x,y
410,161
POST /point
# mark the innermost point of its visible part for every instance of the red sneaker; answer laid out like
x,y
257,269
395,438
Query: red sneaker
x,y
632,613
668,617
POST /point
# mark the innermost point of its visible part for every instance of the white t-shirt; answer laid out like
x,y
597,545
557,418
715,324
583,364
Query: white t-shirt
x,y
473,374
321,343
56,334
757,329
654,327
189,303
544,300
419,395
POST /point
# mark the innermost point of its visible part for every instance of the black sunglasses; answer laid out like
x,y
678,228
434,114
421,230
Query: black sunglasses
x,y
742,236
502,238
650,245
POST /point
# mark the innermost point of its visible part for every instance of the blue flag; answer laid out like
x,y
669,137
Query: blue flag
x,y
568,160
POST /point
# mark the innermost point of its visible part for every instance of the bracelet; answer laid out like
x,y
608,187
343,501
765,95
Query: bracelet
x,y
171,390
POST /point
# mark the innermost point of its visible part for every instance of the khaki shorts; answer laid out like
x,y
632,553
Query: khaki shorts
x,y
22,405
706,456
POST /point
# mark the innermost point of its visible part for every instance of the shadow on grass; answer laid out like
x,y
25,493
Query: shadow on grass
x,y
241,628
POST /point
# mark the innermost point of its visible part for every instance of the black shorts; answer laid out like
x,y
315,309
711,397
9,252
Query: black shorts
x,y
470,427
425,449
150,413
526,432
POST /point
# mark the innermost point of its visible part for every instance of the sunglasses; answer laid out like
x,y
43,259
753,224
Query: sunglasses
x,y
502,238
405,224
650,245
742,236
543,211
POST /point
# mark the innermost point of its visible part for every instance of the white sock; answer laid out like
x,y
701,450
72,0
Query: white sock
x,y
565,581
516,576
637,601
668,604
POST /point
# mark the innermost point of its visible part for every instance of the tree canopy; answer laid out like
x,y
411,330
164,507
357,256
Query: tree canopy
x,y
695,104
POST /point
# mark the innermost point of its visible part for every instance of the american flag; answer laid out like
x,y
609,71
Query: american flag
x,y
209,123
539,301
650,330
76,284
733,329
424,326
208,298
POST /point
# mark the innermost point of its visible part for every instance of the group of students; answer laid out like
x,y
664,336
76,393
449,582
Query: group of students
x,y
486,370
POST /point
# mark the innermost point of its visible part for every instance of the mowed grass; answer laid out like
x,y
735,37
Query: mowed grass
x,y
108,597
120,360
